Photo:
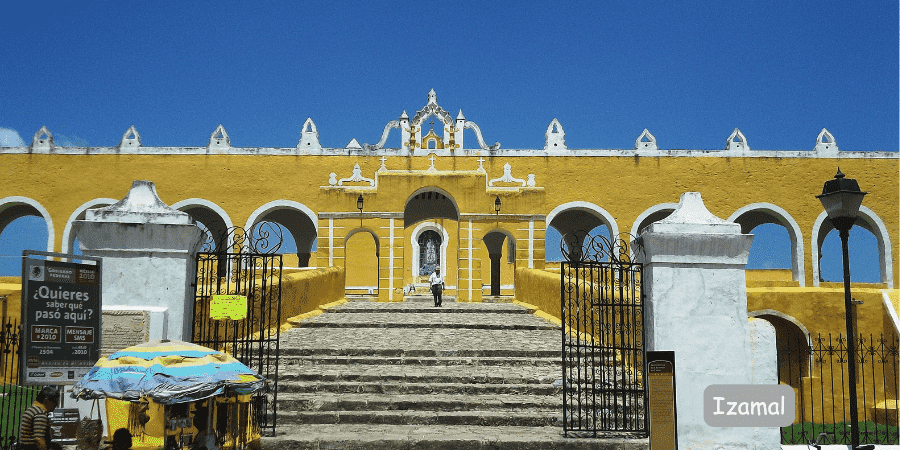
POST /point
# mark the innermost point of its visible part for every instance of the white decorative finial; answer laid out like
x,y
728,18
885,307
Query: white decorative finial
x,y
432,97
383,159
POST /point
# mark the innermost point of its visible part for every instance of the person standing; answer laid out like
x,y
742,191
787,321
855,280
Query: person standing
x,y
437,285
34,427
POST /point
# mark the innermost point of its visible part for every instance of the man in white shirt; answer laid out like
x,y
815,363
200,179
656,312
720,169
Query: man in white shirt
x,y
437,285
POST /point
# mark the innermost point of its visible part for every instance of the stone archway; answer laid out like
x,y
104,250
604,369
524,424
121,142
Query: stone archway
x,y
494,241
431,215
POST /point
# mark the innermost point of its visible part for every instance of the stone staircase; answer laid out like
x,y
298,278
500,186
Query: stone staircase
x,y
369,375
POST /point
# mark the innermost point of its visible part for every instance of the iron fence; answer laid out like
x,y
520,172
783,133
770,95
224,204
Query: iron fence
x,y
14,399
818,372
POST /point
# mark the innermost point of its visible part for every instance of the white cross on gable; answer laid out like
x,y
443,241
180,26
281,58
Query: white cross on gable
x,y
432,160
480,161
383,159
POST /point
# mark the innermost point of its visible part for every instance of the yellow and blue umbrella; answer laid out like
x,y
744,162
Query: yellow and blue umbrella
x,y
167,372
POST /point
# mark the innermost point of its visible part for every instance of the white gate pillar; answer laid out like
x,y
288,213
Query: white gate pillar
x,y
148,252
696,305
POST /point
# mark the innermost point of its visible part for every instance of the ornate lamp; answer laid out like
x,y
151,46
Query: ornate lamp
x,y
359,203
497,205
842,198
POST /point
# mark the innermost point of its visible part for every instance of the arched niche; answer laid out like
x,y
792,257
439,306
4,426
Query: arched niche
x,y
756,214
417,250
866,219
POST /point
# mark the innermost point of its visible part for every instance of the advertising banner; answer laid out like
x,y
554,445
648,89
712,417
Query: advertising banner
x,y
61,310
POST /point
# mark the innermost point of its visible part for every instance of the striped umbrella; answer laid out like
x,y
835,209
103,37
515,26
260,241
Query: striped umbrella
x,y
167,372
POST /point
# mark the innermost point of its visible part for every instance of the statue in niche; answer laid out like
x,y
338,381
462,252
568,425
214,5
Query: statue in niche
x,y
429,258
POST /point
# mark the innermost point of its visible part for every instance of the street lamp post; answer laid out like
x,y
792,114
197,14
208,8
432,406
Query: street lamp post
x,y
842,198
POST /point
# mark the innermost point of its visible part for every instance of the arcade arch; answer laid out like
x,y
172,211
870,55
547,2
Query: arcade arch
x,y
68,238
580,217
429,202
868,220
296,217
751,216
211,215
791,338
14,207
652,214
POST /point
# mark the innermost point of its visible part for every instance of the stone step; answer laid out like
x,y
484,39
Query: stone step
x,y
428,298
419,309
288,361
450,437
405,402
466,326
431,374
537,418
429,339
381,387
418,353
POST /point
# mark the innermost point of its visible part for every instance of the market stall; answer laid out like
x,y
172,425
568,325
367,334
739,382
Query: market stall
x,y
172,395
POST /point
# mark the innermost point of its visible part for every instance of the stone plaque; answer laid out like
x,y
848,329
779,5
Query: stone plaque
x,y
124,328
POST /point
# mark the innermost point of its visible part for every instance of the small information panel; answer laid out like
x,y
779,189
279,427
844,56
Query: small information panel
x,y
661,395
64,423
61,311
232,307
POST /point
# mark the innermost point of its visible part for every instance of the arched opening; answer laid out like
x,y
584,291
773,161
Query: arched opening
x,y
24,225
584,222
653,214
793,355
500,271
361,262
777,242
430,220
69,240
869,251
300,224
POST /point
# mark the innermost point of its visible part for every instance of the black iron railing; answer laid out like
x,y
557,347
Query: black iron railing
x,y
819,375
13,397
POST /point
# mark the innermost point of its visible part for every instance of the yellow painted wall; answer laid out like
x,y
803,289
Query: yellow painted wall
x,y
305,290
360,258
58,182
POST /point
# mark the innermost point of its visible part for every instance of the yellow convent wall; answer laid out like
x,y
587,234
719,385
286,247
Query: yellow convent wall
x,y
623,186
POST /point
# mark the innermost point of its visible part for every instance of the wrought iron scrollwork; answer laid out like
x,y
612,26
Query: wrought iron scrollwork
x,y
263,238
580,246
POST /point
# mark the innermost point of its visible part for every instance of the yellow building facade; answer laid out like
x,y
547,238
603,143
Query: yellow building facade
x,y
390,215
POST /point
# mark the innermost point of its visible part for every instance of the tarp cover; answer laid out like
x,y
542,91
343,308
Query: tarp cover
x,y
167,372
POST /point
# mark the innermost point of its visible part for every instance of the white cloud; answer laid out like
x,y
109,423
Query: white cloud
x,y
10,138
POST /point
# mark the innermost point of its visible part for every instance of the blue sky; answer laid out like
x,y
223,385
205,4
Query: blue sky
x,y
690,72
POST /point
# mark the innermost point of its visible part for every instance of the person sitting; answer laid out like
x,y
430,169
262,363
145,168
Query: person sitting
x,y
34,426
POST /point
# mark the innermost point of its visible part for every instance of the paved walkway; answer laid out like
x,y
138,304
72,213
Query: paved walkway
x,y
407,375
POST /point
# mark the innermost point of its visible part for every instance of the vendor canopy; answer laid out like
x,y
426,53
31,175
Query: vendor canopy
x,y
167,372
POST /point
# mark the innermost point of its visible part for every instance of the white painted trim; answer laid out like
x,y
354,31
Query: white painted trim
x,y
648,212
282,204
889,307
798,268
330,242
531,242
590,208
17,200
414,238
391,255
215,208
881,237
471,250
68,240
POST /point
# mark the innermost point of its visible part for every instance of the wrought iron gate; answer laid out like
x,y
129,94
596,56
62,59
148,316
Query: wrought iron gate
x,y
244,263
602,338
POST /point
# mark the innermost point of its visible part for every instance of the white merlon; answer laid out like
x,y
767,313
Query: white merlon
x,y
219,142
309,137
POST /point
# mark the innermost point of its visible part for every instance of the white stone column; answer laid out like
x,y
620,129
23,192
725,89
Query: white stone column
x,y
696,304
148,252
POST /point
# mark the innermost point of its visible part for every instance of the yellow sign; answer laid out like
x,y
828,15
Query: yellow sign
x,y
232,307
